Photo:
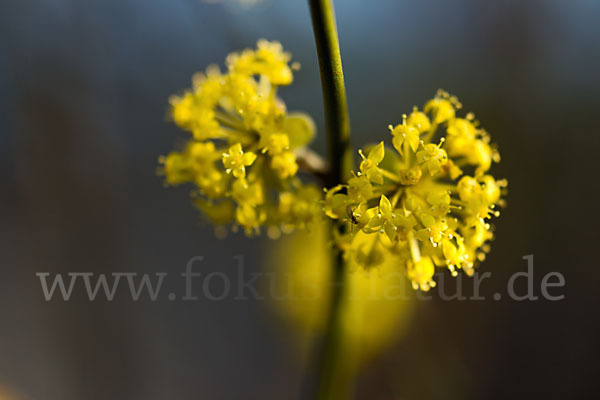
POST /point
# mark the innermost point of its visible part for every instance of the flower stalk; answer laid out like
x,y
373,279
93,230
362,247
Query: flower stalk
x,y
337,122
333,379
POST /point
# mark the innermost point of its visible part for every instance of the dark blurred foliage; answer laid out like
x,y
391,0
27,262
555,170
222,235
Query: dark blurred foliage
x,y
83,96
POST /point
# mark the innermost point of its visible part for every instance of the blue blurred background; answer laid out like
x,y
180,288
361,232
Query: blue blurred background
x,y
83,100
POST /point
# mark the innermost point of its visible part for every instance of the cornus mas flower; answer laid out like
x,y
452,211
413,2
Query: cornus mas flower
x,y
241,156
425,202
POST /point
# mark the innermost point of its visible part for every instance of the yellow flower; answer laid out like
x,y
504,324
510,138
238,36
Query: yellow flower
x,y
236,160
432,157
213,183
335,202
269,60
285,164
195,116
430,212
300,209
247,193
369,164
202,155
441,108
419,120
359,189
470,143
362,216
276,143
454,253
176,168
461,128
433,229
410,176
421,273
243,142
220,213
384,220
250,218
405,133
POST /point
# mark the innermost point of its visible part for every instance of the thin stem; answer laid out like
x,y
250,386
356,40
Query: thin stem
x,y
334,92
390,175
333,377
431,132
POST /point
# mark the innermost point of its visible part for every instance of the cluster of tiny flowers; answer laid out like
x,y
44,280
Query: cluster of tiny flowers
x,y
241,156
426,202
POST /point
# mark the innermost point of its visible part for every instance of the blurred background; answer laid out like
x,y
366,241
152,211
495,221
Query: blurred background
x,y
84,89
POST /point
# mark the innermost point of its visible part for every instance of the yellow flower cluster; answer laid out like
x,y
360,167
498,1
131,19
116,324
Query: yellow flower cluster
x,y
426,203
241,155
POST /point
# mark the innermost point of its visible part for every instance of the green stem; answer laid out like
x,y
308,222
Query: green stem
x,y
334,379
334,370
334,92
